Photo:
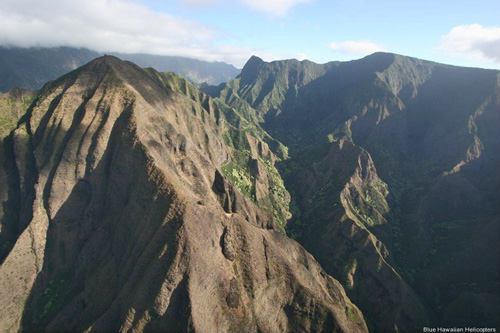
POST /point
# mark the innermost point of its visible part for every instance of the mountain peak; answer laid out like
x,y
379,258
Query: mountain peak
x,y
108,61
252,66
255,59
379,60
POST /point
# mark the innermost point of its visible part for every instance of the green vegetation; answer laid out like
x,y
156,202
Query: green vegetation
x,y
272,83
252,160
341,132
351,265
353,315
50,297
8,122
240,178
173,82
392,107
12,106
241,171
278,195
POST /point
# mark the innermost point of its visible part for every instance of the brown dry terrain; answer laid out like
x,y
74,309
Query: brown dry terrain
x,y
121,220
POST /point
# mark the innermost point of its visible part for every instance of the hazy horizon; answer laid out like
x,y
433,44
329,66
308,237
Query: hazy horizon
x,y
457,33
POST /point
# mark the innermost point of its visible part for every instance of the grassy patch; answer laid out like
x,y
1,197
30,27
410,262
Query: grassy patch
x,y
50,297
353,315
240,178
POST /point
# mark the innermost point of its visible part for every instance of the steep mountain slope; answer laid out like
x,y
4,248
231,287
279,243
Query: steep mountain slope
x,y
125,222
31,68
393,176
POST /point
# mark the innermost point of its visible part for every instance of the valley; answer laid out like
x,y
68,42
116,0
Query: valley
x,y
346,196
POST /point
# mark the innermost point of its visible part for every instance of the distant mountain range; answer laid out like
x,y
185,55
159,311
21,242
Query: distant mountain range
x,y
196,71
31,68
297,197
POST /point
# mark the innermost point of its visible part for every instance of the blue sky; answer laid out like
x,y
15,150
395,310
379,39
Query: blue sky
x,y
465,33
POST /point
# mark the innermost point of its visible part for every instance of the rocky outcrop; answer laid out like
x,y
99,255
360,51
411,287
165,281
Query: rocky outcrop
x,y
345,208
127,224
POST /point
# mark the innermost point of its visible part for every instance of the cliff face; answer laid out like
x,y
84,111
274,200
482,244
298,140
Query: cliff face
x,y
13,105
393,176
124,220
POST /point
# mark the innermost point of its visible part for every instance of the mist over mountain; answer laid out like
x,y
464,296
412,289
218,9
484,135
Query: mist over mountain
x,y
31,68
297,197
197,71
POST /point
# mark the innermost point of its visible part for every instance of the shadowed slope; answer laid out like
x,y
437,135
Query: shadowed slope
x,y
135,228
393,170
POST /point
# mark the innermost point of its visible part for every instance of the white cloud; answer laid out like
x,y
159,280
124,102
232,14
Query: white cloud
x,y
301,56
357,47
111,25
99,24
272,7
200,3
474,41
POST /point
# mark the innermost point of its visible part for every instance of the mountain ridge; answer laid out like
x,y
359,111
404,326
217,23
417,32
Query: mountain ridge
x,y
385,169
412,126
133,225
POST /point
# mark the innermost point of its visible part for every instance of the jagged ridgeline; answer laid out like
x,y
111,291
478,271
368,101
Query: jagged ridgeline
x,y
134,202
393,175
252,152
